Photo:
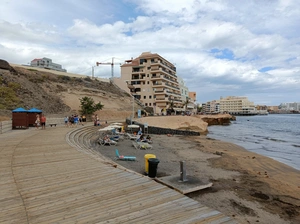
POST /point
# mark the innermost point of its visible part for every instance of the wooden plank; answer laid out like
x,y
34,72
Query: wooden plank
x,y
72,184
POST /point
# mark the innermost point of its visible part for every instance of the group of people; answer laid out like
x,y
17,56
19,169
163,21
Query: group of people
x,y
40,121
96,120
144,138
74,120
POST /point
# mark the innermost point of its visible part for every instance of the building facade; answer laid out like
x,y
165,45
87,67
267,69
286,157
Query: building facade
x,y
237,105
293,106
47,64
153,80
212,107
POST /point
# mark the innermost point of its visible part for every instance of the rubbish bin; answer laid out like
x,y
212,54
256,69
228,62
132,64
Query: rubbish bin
x,y
153,162
148,156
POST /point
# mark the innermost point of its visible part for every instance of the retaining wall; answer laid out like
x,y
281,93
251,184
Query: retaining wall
x,y
163,131
5,126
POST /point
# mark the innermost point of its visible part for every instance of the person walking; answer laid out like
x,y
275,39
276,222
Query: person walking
x,y
37,121
43,122
66,120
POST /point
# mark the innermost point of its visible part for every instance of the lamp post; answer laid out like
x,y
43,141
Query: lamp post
x,y
132,108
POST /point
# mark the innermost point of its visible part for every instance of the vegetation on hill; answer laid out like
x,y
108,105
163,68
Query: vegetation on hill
x,y
88,106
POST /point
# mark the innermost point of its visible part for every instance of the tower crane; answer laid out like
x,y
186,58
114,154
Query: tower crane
x,y
109,63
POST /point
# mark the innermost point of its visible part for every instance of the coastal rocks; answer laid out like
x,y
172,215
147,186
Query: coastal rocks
x,y
217,119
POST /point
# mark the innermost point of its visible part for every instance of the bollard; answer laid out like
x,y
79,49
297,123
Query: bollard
x,y
182,171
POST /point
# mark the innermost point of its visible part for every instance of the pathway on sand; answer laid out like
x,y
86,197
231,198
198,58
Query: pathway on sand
x,y
45,180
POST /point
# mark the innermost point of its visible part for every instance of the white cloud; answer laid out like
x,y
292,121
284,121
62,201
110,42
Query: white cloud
x,y
218,46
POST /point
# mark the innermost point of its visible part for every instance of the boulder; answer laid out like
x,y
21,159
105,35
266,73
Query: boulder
x,y
4,65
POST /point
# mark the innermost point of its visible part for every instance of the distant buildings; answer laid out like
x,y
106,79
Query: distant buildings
x,y
234,105
290,106
152,80
47,64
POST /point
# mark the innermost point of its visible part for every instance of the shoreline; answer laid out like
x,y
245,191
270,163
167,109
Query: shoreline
x,y
246,186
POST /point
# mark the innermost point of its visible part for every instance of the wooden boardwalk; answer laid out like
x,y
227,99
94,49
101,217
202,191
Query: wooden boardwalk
x,y
52,176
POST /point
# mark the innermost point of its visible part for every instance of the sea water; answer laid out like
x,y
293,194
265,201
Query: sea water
x,y
275,135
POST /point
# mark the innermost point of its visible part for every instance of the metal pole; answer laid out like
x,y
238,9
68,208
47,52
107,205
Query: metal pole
x,y
112,68
182,171
92,72
132,106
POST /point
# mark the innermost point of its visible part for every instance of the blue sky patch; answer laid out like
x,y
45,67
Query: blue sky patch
x,y
223,54
266,69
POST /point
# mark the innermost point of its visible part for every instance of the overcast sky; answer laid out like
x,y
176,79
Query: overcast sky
x,y
220,47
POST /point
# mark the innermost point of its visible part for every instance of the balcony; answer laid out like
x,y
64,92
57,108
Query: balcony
x,y
157,77
174,87
173,93
172,80
173,68
161,99
160,92
156,84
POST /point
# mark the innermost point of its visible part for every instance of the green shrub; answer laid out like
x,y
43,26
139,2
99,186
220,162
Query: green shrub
x,y
8,98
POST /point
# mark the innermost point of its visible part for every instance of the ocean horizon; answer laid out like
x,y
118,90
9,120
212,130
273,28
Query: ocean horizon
x,y
276,136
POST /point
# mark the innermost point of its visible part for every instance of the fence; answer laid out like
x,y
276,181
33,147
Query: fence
x,y
5,126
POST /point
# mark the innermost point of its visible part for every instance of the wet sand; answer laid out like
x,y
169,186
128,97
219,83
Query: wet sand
x,y
246,186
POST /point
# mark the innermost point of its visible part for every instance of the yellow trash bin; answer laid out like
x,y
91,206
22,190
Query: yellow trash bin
x,y
148,156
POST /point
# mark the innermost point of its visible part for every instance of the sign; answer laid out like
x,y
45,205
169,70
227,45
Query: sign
x,y
139,114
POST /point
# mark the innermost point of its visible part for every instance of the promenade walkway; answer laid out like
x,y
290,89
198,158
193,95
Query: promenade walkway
x,y
52,176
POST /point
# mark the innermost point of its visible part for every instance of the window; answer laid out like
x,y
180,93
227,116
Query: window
x,y
146,104
148,82
144,97
149,104
147,75
150,97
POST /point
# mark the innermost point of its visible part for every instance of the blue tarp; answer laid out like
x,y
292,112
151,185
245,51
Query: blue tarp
x,y
20,109
34,110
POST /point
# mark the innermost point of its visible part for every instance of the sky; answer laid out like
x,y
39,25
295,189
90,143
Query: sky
x,y
220,47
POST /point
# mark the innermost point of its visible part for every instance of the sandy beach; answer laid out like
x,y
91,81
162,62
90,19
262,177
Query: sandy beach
x,y
246,186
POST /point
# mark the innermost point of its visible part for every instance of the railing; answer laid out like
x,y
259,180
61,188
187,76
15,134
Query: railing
x,y
161,99
158,84
164,64
172,93
172,86
160,91
5,126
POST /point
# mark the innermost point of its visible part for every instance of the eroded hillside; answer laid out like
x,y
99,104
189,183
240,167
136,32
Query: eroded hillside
x,y
58,95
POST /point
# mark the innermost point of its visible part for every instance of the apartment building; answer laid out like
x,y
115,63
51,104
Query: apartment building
x,y
153,80
192,106
47,64
237,105
212,107
183,89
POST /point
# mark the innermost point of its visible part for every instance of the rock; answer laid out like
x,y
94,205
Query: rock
x,y
4,65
